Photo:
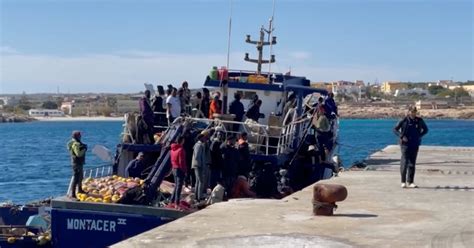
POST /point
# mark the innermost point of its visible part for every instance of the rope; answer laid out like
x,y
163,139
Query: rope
x,y
326,205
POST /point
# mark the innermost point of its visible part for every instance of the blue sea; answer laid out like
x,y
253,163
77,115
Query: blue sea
x,y
34,162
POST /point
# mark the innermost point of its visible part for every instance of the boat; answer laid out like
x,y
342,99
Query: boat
x,y
275,142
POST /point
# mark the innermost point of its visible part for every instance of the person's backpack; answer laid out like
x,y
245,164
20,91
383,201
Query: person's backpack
x,y
322,124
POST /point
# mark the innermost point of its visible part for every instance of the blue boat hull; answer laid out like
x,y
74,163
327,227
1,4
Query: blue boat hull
x,y
82,224
82,228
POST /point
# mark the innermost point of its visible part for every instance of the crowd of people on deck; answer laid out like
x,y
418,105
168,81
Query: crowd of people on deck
x,y
159,111
217,165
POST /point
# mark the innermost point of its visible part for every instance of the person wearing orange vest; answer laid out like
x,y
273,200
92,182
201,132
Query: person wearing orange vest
x,y
215,107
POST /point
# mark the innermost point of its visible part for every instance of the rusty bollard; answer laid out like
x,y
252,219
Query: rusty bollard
x,y
325,197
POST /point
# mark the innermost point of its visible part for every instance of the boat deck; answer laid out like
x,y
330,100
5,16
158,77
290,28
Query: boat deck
x,y
376,213
64,202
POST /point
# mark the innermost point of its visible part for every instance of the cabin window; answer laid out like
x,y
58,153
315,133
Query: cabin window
x,y
247,95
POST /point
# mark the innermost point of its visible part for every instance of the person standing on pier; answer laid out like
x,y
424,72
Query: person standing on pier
x,y
77,149
410,130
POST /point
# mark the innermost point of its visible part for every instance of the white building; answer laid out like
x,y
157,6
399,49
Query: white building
x,y
348,88
405,92
45,113
66,107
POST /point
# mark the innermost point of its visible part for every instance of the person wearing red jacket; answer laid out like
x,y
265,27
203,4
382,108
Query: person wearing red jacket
x,y
178,163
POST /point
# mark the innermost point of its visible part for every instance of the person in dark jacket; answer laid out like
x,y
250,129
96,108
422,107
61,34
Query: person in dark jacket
x,y
146,123
159,112
253,102
205,102
136,166
330,104
410,130
254,111
77,149
216,159
180,169
231,157
237,108
244,155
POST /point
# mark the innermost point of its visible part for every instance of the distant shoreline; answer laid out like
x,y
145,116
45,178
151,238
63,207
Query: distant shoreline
x,y
79,118
373,112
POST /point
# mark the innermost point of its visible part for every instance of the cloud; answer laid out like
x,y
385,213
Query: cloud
x,y
300,55
7,50
126,71
117,72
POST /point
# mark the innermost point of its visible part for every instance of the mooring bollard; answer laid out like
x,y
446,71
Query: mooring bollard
x,y
325,197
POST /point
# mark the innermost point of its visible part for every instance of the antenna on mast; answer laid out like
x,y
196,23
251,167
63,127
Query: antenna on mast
x,y
270,28
260,44
230,31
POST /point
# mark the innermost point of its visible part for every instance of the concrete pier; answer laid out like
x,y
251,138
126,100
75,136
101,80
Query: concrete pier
x,y
376,213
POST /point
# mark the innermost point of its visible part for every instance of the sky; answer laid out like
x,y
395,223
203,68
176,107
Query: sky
x,y
115,46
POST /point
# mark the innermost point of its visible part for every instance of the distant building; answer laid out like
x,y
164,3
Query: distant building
x,y
406,92
431,104
66,107
9,100
448,84
389,87
469,88
127,105
322,85
349,88
45,113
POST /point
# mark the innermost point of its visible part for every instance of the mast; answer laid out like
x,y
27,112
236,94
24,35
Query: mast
x,y
230,31
270,28
260,44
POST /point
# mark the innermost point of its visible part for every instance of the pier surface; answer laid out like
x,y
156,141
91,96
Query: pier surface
x,y
376,213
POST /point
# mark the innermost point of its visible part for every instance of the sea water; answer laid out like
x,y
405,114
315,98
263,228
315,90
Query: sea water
x,y
35,164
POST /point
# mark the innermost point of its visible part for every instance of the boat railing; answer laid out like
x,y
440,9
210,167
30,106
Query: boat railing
x,y
265,139
99,171
164,121
94,172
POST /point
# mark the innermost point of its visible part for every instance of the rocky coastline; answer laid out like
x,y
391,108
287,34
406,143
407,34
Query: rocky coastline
x,y
4,117
374,112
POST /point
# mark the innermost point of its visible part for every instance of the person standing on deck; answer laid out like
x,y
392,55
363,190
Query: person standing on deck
x,y
410,130
205,102
77,149
237,108
136,166
173,109
253,102
215,107
178,163
187,96
157,107
147,117
254,111
330,105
